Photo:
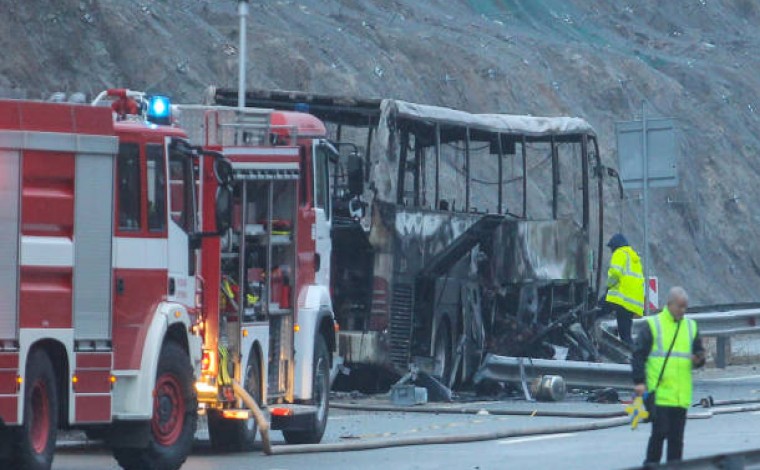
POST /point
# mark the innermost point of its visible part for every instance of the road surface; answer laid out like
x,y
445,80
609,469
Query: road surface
x,y
603,449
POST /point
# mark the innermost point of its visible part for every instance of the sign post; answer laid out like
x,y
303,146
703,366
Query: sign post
x,y
645,185
647,154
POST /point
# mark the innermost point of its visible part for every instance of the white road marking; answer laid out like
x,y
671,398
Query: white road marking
x,y
731,379
535,438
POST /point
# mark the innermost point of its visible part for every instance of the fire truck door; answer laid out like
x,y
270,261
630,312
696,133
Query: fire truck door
x,y
321,230
182,258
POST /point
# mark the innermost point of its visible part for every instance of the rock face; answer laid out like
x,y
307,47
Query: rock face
x,y
693,60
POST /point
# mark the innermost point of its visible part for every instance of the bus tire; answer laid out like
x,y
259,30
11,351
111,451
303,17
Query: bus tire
x,y
442,354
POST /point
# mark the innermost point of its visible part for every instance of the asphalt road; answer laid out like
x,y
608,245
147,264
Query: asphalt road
x,y
603,449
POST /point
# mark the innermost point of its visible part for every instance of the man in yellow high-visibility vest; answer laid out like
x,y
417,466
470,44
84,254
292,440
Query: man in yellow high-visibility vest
x,y
667,348
625,286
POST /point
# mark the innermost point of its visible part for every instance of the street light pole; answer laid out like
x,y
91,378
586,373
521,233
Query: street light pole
x,y
243,13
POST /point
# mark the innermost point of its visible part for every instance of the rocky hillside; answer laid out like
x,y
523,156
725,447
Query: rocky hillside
x,y
694,60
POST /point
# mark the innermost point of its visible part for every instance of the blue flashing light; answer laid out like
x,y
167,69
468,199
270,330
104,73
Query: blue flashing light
x,y
159,110
301,107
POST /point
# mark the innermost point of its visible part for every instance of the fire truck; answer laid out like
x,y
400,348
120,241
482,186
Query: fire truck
x,y
268,319
98,299
143,274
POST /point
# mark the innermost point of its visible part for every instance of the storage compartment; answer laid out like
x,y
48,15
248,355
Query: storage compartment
x,y
258,268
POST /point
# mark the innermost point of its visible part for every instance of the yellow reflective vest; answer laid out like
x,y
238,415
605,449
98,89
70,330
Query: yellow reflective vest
x,y
626,280
675,389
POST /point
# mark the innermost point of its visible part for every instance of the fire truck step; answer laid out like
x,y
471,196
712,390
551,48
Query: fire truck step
x,y
293,417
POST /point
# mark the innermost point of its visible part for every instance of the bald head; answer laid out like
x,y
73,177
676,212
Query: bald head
x,y
678,302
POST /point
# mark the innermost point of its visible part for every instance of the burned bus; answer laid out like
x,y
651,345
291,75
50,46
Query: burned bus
x,y
457,234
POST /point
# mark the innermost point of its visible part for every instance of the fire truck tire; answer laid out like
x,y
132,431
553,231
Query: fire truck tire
x,y
174,416
321,392
234,435
34,441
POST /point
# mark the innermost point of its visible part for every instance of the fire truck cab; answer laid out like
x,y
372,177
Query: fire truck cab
x,y
268,320
98,291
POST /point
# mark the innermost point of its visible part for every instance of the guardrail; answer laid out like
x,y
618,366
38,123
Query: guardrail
x,y
721,324
575,373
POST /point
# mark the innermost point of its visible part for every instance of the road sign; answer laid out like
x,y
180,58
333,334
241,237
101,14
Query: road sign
x,y
662,153
654,294
647,153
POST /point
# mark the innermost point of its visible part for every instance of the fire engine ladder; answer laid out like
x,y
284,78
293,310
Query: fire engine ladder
x,y
250,128
226,126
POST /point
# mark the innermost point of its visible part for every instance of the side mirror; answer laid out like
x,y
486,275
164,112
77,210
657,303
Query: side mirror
x,y
223,209
612,173
355,175
223,171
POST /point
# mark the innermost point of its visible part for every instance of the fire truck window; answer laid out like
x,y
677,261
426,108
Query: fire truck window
x,y
322,180
156,188
128,172
180,172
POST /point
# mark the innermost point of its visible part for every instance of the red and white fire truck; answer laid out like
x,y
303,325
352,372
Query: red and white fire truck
x,y
97,289
270,325
121,308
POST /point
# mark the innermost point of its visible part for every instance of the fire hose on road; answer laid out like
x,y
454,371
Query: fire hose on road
x,y
258,415
476,410
483,436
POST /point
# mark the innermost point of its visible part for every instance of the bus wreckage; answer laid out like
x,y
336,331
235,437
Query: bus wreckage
x,y
457,234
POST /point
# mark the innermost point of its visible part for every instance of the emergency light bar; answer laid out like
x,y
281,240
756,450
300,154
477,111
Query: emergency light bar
x,y
159,110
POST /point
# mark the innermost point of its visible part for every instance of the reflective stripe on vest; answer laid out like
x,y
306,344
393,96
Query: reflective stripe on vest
x,y
619,295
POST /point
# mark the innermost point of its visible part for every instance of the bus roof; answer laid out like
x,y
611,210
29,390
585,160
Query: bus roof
x,y
496,123
366,112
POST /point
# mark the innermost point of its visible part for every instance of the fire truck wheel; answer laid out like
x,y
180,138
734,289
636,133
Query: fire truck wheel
x,y
321,394
174,416
233,435
34,441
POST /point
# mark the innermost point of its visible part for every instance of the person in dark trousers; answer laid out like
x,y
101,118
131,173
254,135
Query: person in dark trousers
x,y
667,348
625,286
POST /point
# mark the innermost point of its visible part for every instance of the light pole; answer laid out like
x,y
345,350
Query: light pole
x,y
243,13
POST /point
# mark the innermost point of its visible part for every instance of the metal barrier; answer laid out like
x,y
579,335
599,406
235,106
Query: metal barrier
x,y
715,323
721,325
576,373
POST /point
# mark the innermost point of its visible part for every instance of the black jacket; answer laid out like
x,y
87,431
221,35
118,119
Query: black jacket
x,y
644,347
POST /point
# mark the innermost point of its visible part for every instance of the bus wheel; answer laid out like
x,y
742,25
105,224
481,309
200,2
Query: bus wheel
x,y
34,441
172,426
442,354
321,397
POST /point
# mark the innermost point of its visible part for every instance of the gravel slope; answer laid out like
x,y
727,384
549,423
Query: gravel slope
x,y
692,59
